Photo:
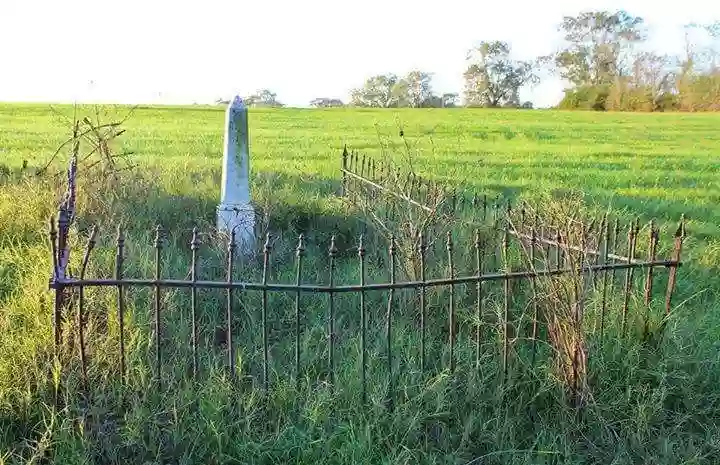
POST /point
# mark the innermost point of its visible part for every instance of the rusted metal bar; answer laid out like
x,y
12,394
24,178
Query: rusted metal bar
x,y
389,191
451,271
413,185
680,234
547,242
583,242
506,306
231,247
506,242
363,321
158,331
177,283
603,308
119,257
81,305
422,249
573,248
479,300
194,246
577,314
558,250
266,265
533,288
343,169
299,253
388,324
597,257
406,183
332,252
484,207
652,255
616,243
632,240
496,218
56,283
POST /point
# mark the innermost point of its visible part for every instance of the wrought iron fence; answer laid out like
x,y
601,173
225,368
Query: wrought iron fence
x,y
542,254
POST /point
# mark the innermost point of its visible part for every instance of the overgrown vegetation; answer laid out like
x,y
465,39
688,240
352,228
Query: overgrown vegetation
x,y
653,403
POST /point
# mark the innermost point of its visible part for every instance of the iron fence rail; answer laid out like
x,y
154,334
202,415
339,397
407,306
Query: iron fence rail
x,y
320,288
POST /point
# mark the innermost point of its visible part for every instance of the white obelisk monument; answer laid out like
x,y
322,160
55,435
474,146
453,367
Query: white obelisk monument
x,y
235,212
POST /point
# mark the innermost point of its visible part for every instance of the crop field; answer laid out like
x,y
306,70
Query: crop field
x,y
653,405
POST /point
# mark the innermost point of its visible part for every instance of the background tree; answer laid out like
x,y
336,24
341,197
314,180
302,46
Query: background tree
x,y
493,78
262,98
324,102
698,80
418,88
599,44
377,91
449,100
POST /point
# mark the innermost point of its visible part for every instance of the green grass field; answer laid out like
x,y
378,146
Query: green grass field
x,y
651,406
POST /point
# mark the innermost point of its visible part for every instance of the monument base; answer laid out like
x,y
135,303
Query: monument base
x,y
241,219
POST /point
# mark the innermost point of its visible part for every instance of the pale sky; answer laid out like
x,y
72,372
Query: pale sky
x,y
171,51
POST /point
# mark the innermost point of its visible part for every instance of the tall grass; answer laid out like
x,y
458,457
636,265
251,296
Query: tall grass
x,y
649,403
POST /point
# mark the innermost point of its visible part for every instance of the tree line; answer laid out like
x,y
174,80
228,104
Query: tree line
x,y
603,58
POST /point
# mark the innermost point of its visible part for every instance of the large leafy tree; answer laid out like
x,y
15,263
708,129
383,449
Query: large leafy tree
x,y
263,98
377,91
493,78
388,90
418,88
599,46
325,102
